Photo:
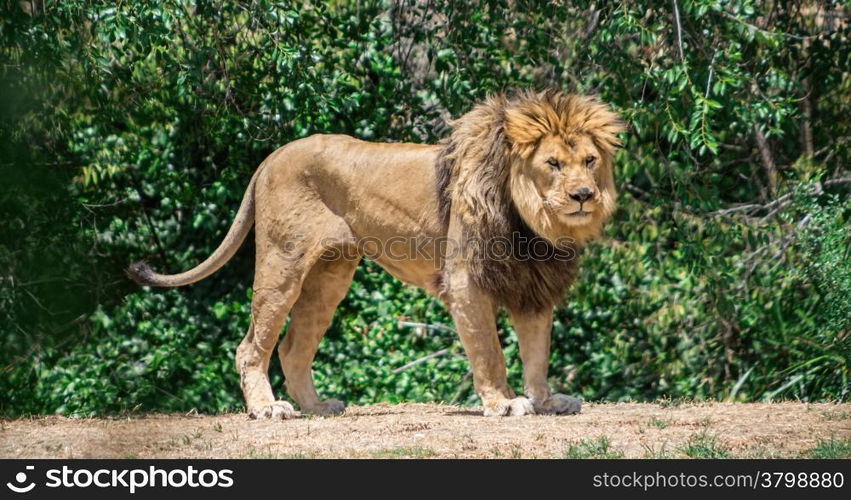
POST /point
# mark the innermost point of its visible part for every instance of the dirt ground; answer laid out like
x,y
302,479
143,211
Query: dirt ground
x,y
439,431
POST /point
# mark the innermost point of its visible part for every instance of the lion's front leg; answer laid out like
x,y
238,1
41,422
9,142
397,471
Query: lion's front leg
x,y
533,332
473,314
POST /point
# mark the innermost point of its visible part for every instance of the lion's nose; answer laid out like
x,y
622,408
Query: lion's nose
x,y
582,194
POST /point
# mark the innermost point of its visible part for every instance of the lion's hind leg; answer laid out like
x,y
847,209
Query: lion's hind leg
x,y
269,311
323,289
534,330
278,277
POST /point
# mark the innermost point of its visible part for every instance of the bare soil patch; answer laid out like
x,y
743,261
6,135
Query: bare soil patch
x,y
627,430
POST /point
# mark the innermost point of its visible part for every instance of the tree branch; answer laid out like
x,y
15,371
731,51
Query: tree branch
x,y
767,159
806,122
780,203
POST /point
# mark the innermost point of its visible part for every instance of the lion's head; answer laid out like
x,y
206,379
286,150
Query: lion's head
x,y
547,155
539,163
561,180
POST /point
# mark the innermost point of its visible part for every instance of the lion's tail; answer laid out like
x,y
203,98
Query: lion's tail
x,y
143,274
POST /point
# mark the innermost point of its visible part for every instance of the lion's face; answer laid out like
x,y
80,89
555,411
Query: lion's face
x,y
563,188
564,173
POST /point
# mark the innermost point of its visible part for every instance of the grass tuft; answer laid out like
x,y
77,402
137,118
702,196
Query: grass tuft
x,y
705,445
831,448
405,452
587,448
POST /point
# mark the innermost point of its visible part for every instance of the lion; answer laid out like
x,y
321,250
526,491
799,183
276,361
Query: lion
x,y
532,170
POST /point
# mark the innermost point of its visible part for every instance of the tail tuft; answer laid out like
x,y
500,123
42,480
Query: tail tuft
x,y
141,273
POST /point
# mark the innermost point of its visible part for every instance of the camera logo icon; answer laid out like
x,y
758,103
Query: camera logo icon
x,y
20,479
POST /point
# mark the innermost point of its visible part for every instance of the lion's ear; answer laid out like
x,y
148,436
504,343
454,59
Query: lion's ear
x,y
524,127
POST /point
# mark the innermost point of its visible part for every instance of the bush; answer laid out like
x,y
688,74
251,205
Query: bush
x,y
130,130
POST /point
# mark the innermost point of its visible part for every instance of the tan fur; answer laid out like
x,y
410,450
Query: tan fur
x,y
318,200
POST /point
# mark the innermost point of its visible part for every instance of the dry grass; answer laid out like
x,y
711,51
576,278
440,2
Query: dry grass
x,y
440,431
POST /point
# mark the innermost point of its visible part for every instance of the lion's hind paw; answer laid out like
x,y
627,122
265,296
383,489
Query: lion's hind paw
x,y
560,404
327,407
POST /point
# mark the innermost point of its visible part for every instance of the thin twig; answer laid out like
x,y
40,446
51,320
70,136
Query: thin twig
x,y
709,78
679,30
428,326
463,386
104,205
737,208
764,31
832,147
594,18
780,256
421,360
751,260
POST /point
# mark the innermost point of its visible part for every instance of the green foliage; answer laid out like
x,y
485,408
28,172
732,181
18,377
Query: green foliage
x,y
130,130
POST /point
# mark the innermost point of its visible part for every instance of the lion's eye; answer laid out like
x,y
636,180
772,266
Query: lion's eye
x,y
554,163
589,161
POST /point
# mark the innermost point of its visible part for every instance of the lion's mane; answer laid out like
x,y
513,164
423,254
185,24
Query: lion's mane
x,y
474,171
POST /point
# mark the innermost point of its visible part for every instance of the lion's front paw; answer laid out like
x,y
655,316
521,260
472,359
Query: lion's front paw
x,y
327,407
277,410
512,407
559,404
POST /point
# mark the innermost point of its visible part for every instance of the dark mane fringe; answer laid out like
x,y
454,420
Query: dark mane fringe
x,y
523,281
443,169
472,172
